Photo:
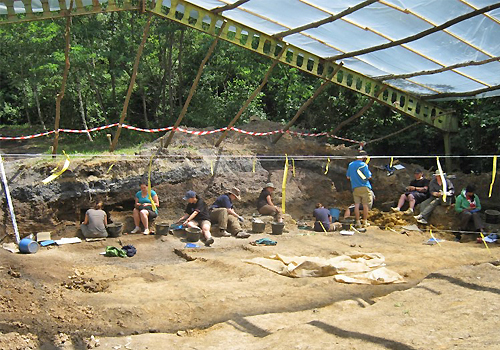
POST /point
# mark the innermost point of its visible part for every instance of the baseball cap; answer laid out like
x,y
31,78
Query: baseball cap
x,y
189,194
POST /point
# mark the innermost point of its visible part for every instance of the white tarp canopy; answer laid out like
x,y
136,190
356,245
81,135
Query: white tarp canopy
x,y
469,41
381,22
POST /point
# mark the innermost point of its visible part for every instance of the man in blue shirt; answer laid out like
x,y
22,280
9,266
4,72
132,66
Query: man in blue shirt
x,y
222,213
359,175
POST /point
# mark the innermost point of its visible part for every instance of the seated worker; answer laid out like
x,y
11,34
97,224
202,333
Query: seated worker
x,y
265,204
197,215
436,190
222,213
323,219
468,206
144,209
350,210
94,225
415,193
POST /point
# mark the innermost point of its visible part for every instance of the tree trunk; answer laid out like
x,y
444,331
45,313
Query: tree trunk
x,y
144,107
37,101
97,93
82,109
26,106
179,67
170,85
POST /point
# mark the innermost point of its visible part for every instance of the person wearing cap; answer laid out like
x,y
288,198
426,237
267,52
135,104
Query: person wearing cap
x,y
359,175
436,190
197,215
222,213
416,192
144,210
468,206
265,204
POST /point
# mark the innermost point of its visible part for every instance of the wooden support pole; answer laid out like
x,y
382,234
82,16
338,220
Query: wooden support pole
x,y
307,103
251,98
360,113
193,89
60,95
145,34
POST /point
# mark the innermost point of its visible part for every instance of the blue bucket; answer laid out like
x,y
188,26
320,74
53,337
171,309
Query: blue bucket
x,y
28,246
335,212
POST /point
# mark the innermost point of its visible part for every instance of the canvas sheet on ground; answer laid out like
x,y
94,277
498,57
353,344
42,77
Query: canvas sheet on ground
x,y
360,268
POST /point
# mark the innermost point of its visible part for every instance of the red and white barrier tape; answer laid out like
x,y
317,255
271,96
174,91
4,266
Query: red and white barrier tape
x,y
191,132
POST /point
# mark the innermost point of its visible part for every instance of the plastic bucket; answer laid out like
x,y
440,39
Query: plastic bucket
x,y
492,216
258,227
277,228
335,212
193,234
162,228
115,229
28,246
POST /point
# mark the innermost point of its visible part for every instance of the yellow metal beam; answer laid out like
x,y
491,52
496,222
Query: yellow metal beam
x,y
29,14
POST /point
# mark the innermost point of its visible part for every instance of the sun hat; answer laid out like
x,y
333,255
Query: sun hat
x,y
235,192
437,173
270,184
189,194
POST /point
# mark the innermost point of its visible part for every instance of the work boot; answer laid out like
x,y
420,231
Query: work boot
x,y
242,234
136,229
366,224
409,211
422,221
396,210
209,242
358,224
224,233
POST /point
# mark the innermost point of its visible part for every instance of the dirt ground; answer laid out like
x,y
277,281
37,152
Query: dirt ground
x,y
172,297
71,297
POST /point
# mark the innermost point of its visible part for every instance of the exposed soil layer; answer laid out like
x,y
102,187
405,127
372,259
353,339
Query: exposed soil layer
x,y
72,297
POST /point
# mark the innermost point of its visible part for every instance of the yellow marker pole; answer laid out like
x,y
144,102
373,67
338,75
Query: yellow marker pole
x,y
253,166
57,174
283,186
367,160
443,180
327,164
110,167
212,167
392,160
323,227
487,248
493,174
293,167
153,205
434,238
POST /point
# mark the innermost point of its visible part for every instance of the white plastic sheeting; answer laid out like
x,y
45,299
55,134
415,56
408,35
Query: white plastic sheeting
x,y
473,39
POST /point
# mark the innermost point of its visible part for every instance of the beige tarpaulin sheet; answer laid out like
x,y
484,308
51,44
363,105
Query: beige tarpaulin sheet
x,y
362,268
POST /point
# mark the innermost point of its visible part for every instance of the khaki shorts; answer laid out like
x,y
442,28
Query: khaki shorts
x,y
362,195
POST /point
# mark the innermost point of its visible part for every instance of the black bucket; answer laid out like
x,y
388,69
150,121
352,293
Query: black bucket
x,y
115,229
277,228
193,234
162,228
492,216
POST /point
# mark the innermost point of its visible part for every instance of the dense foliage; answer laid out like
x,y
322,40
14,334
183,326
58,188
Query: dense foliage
x,y
103,48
